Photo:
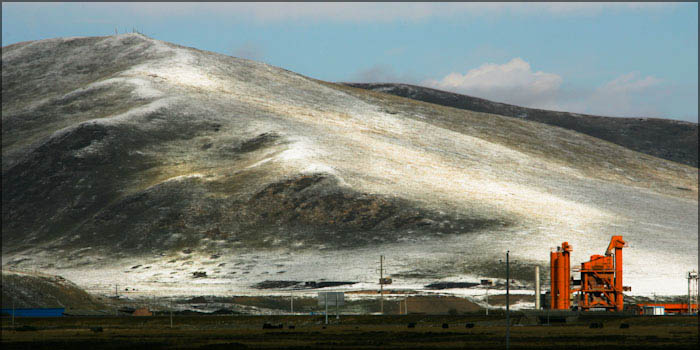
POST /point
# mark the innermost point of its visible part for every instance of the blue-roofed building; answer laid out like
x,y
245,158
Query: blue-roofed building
x,y
34,312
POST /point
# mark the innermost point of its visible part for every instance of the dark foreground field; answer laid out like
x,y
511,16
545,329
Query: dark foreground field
x,y
353,332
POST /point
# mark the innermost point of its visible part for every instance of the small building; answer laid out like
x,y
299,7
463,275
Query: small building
x,y
654,310
142,312
34,312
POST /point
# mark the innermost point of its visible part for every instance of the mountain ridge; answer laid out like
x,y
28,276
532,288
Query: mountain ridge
x,y
669,139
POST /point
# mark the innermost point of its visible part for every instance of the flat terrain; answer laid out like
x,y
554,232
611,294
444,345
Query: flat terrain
x,y
353,332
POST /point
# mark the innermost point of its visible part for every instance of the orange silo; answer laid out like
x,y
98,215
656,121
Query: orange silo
x,y
560,267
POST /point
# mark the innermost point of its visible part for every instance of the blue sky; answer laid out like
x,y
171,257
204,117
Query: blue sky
x,y
617,59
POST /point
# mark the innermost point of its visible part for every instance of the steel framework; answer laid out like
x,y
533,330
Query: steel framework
x,y
600,285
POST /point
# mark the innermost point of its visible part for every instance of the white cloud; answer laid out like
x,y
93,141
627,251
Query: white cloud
x,y
512,82
629,82
629,95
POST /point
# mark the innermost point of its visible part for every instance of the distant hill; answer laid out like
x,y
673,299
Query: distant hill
x,y
663,138
34,290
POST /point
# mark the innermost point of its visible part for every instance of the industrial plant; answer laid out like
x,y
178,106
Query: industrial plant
x,y
600,287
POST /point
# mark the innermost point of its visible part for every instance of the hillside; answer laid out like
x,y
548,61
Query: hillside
x,y
663,138
134,161
33,290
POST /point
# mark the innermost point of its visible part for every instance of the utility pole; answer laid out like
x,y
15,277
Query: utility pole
x,y
381,284
508,300
337,313
171,314
537,287
487,300
325,295
692,290
487,283
690,306
116,298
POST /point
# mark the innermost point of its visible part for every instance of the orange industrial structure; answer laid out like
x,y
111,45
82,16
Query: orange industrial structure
x,y
600,283
669,308
560,276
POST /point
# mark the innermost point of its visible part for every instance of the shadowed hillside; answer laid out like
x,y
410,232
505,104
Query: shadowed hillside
x,y
31,290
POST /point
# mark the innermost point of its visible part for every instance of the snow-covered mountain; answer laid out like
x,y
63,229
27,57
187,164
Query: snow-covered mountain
x,y
125,151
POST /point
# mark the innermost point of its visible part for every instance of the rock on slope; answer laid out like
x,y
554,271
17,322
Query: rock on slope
x,y
124,146
663,138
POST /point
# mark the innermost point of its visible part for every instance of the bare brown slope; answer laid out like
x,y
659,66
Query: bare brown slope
x,y
34,290
667,139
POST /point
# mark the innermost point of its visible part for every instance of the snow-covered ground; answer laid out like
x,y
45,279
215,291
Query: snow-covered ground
x,y
236,273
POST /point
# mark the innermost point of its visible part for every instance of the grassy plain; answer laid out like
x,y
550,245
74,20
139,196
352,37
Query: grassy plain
x,y
351,332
